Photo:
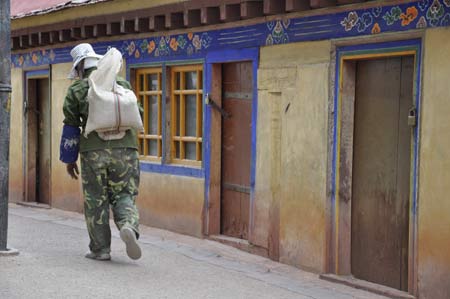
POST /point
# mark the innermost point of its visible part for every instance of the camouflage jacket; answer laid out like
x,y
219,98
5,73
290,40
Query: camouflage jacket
x,y
76,109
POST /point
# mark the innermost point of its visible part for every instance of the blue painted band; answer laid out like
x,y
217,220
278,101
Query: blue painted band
x,y
37,73
172,169
365,21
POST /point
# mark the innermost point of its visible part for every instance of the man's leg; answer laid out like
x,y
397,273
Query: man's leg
x,y
123,185
96,203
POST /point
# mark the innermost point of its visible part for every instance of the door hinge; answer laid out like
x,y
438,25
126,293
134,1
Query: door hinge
x,y
209,101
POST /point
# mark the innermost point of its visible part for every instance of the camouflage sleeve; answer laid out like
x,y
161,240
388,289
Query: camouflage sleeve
x,y
71,109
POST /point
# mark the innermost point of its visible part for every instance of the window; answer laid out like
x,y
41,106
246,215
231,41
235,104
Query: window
x,y
183,113
149,92
187,114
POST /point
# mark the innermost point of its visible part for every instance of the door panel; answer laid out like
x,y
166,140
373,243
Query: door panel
x,y
381,171
32,142
44,131
236,149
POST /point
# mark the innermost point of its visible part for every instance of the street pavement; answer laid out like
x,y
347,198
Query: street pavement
x,y
51,264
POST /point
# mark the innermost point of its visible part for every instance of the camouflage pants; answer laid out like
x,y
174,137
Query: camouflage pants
x,y
110,177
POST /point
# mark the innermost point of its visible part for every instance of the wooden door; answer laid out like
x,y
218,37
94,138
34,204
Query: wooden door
x,y
381,171
44,144
236,148
32,114
37,176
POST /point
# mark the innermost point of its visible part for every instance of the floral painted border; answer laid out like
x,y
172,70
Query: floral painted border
x,y
408,16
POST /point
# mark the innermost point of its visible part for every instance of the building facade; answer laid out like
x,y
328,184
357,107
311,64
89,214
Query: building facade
x,y
312,132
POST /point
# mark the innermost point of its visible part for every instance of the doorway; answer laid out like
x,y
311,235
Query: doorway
x,y
237,99
381,171
38,140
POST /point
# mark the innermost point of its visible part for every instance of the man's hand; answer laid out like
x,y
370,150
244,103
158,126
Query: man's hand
x,y
72,170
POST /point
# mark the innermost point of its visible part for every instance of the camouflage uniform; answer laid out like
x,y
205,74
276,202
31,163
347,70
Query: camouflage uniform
x,y
110,177
109,169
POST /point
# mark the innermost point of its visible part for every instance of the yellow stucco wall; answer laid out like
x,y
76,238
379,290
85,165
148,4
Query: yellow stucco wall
x,y
105,8
171,202
16,180
292,150
66,192
434,186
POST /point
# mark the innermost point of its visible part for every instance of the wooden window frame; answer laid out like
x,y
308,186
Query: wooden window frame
x,y
144,138
181,139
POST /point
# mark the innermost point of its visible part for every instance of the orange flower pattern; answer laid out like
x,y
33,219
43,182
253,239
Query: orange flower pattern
x,y
173,44
411,15
151,47
376,28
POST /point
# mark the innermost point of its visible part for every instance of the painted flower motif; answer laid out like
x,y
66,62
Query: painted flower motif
x,y
269,40
423,4
173,44
181,40
52,55
393,15
278,28
144,46
365,21
137,54
151,47
376,11
197,42
34,58
278,34
156,52
190,35
286,23
21,60
422,23
435,13
350,21
206,40
446,20
167,39
376,28
163,49
190,50
44,52
131,48
447,3
411,15
270,25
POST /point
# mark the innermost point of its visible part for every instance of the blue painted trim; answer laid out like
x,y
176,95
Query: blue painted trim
x,y
172,170
195,45
225,56
37,73
385,47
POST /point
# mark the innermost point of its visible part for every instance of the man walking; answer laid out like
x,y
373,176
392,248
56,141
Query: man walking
x,y
109,168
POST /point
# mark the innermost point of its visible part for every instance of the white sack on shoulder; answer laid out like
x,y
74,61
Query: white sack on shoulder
x,y
112,108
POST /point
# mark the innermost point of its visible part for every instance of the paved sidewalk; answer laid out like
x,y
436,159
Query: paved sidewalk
x,y
52,244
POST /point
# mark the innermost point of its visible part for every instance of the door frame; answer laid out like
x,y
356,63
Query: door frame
x,y
342,120
34,74
213,129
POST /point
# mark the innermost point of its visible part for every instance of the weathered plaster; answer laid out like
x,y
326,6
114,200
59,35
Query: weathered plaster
x,y
292,123
171,202
434,176
65,192
16,179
